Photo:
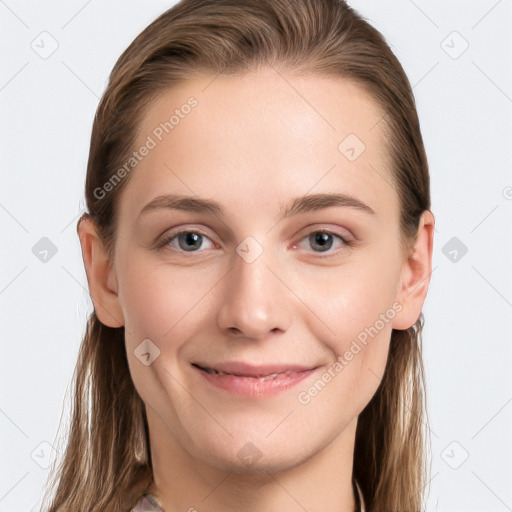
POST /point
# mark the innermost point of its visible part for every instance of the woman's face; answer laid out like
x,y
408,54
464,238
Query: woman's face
x,y
248,280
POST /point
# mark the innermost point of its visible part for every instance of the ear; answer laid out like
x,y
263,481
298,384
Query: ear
x,y
100,274
415,274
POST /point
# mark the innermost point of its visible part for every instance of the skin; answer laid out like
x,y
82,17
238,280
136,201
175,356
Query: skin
x,y
253,144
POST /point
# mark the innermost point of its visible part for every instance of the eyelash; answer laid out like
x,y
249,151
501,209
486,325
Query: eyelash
x,y
346,243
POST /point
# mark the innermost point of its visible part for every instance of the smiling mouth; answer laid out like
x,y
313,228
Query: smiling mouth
x,y
254,382
241,369
211,371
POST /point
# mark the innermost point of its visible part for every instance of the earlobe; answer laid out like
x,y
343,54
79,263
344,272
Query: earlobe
x,y
415,274
100,274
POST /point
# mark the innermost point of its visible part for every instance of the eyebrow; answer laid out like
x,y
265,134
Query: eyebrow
x,y
304,204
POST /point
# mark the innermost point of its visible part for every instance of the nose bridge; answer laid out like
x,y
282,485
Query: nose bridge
x,y
255,301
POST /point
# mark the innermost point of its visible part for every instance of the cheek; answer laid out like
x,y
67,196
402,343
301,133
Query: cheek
x,y
157,300
351,309
165,305
351,297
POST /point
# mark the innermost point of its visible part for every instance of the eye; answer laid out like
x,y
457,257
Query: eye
x,y
324,240
321,240
186,241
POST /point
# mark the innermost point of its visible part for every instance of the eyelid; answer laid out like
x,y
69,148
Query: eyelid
x,y
343,233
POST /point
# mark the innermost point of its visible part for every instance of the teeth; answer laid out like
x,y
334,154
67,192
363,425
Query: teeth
x,y
273,376
266,377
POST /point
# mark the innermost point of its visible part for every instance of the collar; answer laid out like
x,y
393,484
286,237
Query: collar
x,y
150,503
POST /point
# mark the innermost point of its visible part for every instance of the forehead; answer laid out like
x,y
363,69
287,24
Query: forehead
x,y
251,139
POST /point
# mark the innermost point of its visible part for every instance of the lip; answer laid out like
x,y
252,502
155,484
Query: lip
x,y
246,370
254,381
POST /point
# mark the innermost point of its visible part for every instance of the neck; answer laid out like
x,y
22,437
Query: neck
x,y
316,483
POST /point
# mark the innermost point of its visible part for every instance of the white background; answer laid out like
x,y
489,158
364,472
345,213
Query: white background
x,y
464,100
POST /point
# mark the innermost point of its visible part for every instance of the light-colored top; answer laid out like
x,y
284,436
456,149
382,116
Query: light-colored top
x,y
148,503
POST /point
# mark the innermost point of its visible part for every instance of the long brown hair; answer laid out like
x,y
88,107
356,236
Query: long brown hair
x,y
106,464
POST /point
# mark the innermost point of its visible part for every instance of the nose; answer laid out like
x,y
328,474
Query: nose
x,y
255,300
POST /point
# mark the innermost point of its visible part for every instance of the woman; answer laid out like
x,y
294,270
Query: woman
x,y
258,248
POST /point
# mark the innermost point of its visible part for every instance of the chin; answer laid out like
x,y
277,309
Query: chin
x,y
263,467
252,460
